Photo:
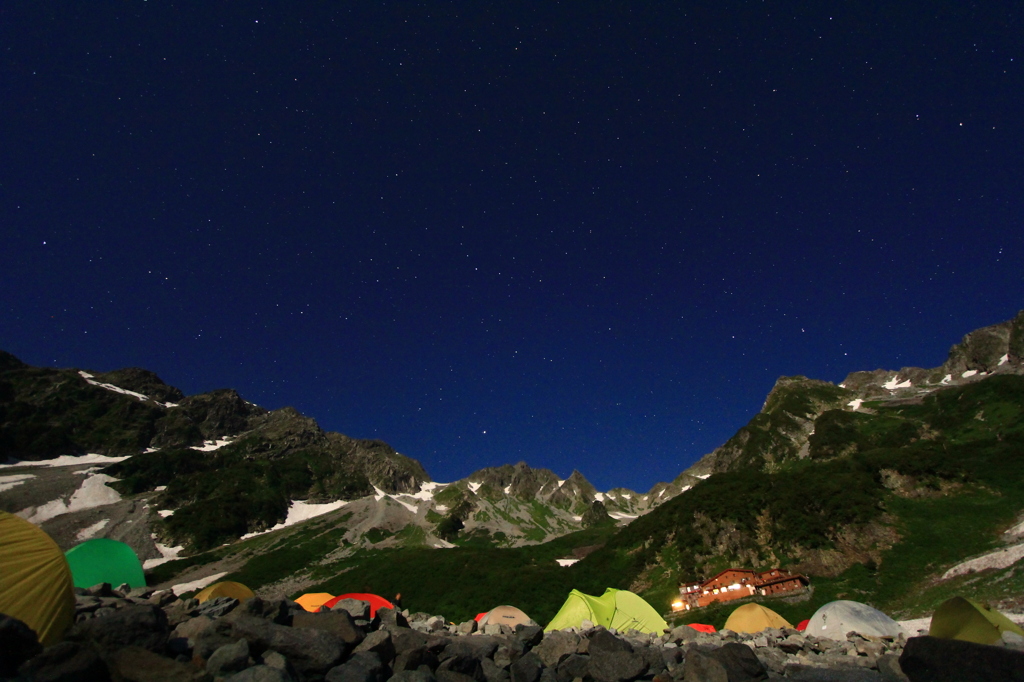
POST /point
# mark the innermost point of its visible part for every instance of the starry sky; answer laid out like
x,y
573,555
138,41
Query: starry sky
x,y
585,235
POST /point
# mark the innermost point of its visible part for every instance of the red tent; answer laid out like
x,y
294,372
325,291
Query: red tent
x,y
701,627
376,601
802,625
480,615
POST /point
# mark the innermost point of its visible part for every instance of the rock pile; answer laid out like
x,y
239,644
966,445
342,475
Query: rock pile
x,y
142,636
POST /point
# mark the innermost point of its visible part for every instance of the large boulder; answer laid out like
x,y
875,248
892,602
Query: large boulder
x,y
947,660
613,660
310,651
142,625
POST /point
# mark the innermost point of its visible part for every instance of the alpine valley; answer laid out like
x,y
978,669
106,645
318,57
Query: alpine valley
x,y
878,488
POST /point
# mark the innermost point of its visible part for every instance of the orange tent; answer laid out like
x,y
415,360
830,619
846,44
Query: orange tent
x,y
701,627
312,601
376,601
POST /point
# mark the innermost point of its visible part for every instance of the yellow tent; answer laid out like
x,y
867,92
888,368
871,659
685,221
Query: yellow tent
x,y
35,581
754,618
225,589
969,621
312,601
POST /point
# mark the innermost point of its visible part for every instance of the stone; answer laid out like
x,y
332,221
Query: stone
x,y
526,669
889,668
572,667
100,590
18,643
616,666
275,659
389,619
356,608
508,652
792,644
260,673
340,623
477,648
466,628
414,659
279,611
443,675
380,643
492,629
740,663
530,635
413,676
135,664
557,645
699,667
310,651
806,673
193,628
66,661
230,658
124,589
493,673
215,608
653,657
939,660
405,640
363,666
450,669
142,625
435,623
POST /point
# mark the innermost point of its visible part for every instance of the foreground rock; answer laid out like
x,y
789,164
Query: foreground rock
x,y
149,637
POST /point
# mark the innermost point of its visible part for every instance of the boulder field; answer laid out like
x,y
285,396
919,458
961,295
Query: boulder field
x,y
146,636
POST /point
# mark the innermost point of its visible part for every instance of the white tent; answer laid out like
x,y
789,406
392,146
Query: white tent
x,y
836,618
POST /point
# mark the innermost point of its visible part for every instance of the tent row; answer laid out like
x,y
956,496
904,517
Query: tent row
x,y
37,582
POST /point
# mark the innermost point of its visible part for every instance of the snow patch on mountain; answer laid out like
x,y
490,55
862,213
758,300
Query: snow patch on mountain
x,y
93,492
117,389
969,373
166,554
64,461
8,482
299,511
211,445
855,404
182,588
91,531
894,383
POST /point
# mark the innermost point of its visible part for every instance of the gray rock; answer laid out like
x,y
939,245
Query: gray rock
x,y
18,643
414,659
572,667
364,666
527,668
508,652
890,670
230,658
100,590
380,643
389,619
215,608
142,625
277,660
699,667
616,666
65,661
405,640
459,668
279,611
477,648
467,628
804,673
942,660
135,664
740,663
355,608
310,651
413,676
260,673
530,635
493,673
338,622
557,645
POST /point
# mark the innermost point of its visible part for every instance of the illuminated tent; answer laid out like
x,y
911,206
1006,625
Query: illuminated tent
x,y
618,609
754,618
35,581
225,589
105,561
703,627
836,618
312,601
505,615
375,601
969,621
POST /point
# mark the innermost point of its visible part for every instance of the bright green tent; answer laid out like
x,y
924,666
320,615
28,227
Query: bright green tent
x,y
105,561
616,609
969,621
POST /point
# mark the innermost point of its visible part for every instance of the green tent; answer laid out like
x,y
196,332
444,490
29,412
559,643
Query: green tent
x,y
105,561
969,621
618,609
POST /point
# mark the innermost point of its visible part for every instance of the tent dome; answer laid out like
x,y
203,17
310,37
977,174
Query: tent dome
x,y
970,621
312,601
35,581
103,560
836,618
506,615
618,609
753,617
227,588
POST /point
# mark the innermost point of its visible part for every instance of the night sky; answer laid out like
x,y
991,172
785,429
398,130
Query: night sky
x,y
585,235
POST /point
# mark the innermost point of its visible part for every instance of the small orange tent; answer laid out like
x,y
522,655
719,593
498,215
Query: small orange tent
x,y
312,601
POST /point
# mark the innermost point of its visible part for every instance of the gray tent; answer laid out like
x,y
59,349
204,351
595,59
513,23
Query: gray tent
x,y
836,618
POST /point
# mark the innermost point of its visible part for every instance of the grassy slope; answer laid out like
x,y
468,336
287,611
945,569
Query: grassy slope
x,y
968,477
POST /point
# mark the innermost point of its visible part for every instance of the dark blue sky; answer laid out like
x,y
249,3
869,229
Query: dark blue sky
x,y
584,235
